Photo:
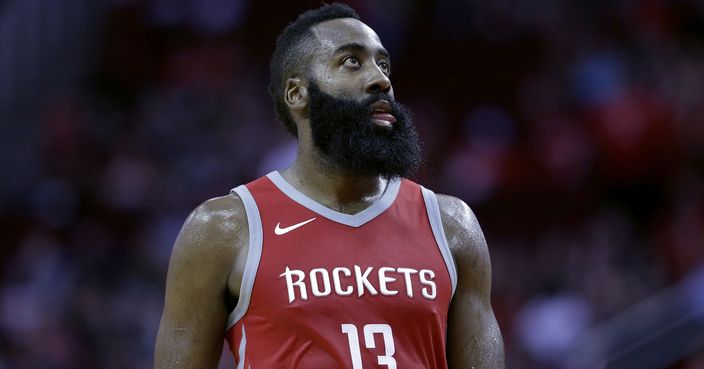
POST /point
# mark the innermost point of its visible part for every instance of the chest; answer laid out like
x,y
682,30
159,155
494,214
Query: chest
x,y
386,267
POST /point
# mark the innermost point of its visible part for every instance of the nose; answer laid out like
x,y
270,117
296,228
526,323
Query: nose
x,y
378,82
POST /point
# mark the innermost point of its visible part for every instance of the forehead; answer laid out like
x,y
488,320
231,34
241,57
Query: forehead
x,y
336,32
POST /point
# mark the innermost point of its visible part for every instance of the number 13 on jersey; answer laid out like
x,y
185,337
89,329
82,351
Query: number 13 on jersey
x,y
369,330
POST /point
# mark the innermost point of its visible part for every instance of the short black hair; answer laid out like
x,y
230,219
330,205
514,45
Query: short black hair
x,y
291,56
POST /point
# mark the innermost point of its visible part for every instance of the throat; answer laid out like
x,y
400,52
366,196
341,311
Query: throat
x,y
351,208
342,193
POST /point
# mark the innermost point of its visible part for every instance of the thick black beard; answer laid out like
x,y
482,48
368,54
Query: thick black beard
x,y
351,142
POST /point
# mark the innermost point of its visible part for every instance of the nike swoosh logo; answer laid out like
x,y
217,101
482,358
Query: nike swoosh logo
x,y
279,231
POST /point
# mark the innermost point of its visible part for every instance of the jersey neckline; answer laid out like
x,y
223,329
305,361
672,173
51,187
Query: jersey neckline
x,y
352,220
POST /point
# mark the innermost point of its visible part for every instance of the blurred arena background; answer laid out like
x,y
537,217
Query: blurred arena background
x,y
575,129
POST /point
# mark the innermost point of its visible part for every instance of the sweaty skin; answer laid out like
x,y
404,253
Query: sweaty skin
x,y
207,262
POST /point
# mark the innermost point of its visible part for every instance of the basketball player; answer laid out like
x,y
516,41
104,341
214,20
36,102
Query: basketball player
x,y
337,261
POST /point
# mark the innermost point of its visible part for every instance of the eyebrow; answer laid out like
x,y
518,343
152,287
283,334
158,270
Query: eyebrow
x,y
354,46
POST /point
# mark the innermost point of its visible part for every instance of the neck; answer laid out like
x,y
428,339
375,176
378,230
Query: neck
x,y
331,187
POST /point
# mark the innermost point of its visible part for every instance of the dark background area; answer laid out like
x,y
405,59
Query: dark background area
x,y
575,130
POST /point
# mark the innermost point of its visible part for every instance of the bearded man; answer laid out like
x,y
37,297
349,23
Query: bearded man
x,y
338,261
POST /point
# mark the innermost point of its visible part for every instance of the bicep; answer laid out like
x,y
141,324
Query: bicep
x,y
474,339
195,315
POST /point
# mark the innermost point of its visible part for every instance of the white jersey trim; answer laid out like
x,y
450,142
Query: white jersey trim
x,y
352,220
431,205
254,254
242,349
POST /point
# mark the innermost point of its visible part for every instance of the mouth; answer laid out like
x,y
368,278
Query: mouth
x,y
381,113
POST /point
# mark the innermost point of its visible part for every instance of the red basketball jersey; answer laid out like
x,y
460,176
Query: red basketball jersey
x,y
322,289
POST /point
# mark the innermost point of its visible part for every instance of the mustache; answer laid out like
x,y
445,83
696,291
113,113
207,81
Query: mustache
x,y
376,96
396,107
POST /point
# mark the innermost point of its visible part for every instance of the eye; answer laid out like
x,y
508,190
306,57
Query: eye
x,y
384,65
350,61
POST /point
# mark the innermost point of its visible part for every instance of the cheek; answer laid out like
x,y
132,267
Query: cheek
x,y
338,83
323,76
333,84
339,90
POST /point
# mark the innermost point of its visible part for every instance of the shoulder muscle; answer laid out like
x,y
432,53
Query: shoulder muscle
x,y
211,233
467,243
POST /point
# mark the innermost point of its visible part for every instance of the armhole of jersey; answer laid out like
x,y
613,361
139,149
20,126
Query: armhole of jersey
x,y
254,254
433,209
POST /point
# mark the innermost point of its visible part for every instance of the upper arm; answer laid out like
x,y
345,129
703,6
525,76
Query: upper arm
x,y
474,339
195,314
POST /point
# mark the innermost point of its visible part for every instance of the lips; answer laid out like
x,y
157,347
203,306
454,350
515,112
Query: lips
x,y
381,113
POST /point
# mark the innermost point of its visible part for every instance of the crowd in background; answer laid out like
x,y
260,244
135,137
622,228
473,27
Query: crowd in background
x,y
575,131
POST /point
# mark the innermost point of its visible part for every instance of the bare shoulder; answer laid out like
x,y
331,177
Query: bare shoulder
x,y
461,225
224,215
216,228
467,243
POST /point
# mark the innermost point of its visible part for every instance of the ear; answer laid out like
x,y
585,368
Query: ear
x,y
296,94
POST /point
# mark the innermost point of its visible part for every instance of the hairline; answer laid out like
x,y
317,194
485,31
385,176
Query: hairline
x,y
306,71
311,31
